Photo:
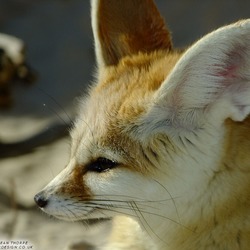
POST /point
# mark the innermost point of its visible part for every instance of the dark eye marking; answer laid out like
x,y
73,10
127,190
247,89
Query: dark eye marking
x,y
101,165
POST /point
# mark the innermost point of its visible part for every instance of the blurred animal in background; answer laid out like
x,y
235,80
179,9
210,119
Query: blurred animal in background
x,y
13,68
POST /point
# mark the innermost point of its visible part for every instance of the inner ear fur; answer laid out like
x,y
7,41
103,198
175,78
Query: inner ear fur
x,y
209,84
127,27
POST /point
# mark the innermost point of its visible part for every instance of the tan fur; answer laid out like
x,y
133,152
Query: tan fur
x,y
75,186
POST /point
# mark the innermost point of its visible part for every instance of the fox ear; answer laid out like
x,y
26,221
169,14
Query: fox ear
x,y
209,84
125,27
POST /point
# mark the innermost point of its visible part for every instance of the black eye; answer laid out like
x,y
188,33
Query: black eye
x,y
101,165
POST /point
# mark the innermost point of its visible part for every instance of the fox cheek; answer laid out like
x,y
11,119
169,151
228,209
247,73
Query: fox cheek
x,y
75,185
69,183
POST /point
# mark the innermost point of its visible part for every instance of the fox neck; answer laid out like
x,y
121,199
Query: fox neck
x,y
201,206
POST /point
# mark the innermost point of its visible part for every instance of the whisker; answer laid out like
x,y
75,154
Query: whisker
x,y
71,212
142,216
88,126
107,207
56,102
118,201
56,114
125,196
114,206
80,208
104,207
177,213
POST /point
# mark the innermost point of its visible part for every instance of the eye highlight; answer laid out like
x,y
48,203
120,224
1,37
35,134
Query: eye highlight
x,y
101,165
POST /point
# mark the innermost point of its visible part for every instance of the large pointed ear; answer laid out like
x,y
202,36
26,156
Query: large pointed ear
x,y
209,84
125,27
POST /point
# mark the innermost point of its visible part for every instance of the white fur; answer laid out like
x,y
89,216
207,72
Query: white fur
x,y
195,93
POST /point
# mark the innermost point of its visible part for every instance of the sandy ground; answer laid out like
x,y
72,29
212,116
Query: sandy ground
x,y
59,46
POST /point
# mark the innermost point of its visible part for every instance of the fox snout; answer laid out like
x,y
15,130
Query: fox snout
x,y
41,200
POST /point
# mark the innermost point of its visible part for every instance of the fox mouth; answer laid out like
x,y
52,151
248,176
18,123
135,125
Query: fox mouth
x,y
91,222
87,221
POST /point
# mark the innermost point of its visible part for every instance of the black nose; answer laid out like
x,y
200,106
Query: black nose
x,y
40,200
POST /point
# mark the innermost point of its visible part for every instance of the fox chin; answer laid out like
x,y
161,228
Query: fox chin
x,y
161,142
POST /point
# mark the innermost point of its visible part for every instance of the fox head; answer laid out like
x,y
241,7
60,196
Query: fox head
x,y
163,133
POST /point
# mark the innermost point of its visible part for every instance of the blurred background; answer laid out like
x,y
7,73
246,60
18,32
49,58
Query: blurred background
x,y
59,47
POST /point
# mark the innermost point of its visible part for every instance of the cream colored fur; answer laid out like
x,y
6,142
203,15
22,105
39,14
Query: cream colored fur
x,y
177,126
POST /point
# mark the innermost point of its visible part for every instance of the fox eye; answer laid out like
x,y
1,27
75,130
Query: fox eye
x,y
101,165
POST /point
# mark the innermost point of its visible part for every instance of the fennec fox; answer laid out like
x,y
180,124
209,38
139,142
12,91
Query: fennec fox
x,y
163,136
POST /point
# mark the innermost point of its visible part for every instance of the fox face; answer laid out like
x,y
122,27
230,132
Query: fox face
x,y
163,136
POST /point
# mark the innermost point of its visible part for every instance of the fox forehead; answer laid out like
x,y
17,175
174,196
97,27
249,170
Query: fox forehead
x,y
129,87
122,94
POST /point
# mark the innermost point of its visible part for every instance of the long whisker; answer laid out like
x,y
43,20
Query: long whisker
x,y
57,103
136,210
115,206
171,199
107,207
127,197
119,201
70,211
142,216
115,211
